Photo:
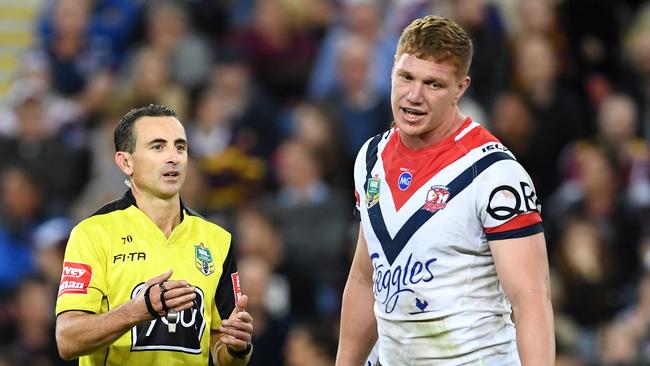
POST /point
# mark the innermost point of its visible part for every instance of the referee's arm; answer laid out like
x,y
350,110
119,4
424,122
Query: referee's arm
x,y
231,344
79,333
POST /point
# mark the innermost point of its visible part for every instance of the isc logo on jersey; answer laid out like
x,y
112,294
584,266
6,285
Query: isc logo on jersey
x,y
75,278
404,180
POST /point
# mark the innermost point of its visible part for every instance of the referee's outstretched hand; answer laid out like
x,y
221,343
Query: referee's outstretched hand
x,y
238,328
164,295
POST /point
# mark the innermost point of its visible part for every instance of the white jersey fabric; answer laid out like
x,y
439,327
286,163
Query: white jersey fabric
x,y
427,216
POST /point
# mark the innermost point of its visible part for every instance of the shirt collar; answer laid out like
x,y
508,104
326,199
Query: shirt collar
x,y
128,197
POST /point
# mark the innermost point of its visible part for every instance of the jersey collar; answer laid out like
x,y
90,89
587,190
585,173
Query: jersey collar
x,y
130,199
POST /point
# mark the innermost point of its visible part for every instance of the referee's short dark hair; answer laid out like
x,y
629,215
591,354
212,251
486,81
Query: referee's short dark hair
x,y
124,137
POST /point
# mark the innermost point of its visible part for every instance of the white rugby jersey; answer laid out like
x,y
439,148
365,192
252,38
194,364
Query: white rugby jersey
x,y
427,216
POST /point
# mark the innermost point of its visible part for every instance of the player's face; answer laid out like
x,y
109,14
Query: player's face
x,y
160,156
424,95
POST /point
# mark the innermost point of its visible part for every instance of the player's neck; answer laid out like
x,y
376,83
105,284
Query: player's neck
x,y
165,213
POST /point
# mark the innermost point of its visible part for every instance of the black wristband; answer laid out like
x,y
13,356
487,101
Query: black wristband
x,y
240,354
147,301
162,301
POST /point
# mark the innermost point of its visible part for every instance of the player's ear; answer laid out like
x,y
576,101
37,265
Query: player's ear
x,y
392,69
124,162
462,88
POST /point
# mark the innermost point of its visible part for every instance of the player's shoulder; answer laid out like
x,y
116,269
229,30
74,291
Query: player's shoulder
x,y
482,146
474,135
375,143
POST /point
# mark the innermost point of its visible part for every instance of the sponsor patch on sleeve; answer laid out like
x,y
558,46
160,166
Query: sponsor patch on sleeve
x,y
357,199
75,278
235,286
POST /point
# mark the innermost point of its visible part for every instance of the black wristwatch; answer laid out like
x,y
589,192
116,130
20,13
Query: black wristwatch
x,y
240,354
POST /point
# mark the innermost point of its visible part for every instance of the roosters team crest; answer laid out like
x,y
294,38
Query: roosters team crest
x,y
436,198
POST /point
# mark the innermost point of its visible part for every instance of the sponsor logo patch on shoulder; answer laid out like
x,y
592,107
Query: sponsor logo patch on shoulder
x,y
236,288
75,278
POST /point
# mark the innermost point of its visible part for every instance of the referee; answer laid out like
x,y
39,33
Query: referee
x,y
146,280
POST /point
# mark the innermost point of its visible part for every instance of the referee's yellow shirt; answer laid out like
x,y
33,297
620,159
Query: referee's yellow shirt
x,y
111,254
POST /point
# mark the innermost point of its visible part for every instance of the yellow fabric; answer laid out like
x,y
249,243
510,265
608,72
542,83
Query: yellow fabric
x,y
124,248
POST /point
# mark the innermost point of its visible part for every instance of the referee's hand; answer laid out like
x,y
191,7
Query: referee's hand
x,y
238,328
164,295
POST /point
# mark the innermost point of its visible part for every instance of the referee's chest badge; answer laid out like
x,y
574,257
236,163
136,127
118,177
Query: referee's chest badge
x,y
203,259
372,192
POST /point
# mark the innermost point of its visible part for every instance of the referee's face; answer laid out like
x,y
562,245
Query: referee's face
x,y
160,156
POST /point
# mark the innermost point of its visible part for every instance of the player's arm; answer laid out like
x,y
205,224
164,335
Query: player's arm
x,y
522,267
231,344
79,332
358,324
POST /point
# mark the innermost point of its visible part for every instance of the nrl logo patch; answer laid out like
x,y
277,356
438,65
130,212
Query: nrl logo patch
x,y
372,193
203,259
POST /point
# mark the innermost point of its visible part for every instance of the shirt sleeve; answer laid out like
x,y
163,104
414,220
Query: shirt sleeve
x,y
508,206
356,213
228,289
359,173
83,279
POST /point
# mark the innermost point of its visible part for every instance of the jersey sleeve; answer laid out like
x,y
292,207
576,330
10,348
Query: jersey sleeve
x,y
83,279
508,206
359,174
228,289
357,201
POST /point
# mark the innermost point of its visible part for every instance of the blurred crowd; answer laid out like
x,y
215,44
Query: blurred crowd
x,y
276,97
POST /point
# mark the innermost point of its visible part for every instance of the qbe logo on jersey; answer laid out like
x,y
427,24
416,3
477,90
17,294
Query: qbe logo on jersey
x,y
155,335
75,278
